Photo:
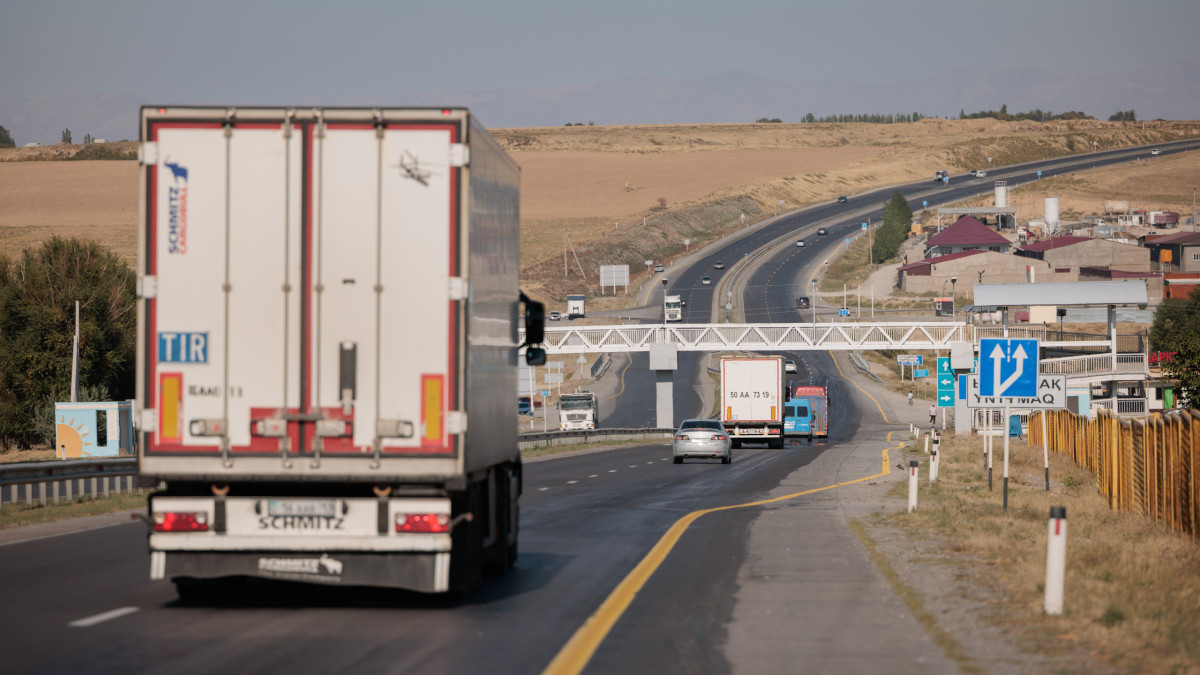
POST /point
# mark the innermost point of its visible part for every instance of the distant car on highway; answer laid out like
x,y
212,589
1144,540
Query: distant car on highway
x,y
718,265
555,316
524,407
937,177
842,199
705,280
822,231
1156,151
658,268
802,302
799,243
706,439
789,366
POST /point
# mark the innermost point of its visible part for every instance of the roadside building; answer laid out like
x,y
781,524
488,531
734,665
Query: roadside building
x,y
935,275
1067,255
966,234
1179,252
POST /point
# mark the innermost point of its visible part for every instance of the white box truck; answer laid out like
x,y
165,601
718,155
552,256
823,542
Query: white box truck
x,y
576,306
328,309
752,399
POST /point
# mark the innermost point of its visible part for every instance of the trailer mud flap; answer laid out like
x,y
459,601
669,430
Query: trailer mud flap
x,y
424,572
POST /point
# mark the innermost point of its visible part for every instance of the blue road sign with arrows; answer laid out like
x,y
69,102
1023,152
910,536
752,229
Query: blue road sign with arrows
x,y
1008,368
945,383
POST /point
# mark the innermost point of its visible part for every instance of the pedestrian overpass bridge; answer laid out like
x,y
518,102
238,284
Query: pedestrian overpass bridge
x,y
663,342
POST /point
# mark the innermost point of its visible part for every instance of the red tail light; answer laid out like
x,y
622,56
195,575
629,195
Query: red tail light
x,y
681,437
181,522
718,437
423,522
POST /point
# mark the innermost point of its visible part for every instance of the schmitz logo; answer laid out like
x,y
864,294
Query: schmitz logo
x,y
177,209
324,566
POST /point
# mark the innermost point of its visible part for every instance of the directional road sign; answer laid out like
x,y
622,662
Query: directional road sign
x,y
945,383
1051,394
924,372
1008,368
910,359
844,312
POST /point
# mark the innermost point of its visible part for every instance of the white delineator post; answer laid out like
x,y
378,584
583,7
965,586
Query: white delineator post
x,y
912,485
1056,559
1045,450
927,444
933,465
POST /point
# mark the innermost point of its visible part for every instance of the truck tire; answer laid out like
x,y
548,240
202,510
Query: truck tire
x,y
735,443
466,547
775,443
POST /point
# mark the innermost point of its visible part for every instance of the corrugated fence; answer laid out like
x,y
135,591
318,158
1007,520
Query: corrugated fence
x,y
1147,466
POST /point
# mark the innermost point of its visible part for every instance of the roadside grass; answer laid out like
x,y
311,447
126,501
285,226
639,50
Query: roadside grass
x,y
1132,586
19,514
34,455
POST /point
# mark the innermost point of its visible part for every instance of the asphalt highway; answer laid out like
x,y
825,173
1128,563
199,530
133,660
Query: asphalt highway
x,y
778,587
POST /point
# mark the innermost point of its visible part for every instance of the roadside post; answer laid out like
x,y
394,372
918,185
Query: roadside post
x,y
1045,450
912,485
933,465
1006,437
1056,560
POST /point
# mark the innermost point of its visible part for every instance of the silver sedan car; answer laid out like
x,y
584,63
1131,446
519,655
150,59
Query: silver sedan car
x,y
706,439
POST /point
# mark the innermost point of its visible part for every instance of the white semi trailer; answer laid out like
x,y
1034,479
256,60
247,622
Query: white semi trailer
x,y
327,309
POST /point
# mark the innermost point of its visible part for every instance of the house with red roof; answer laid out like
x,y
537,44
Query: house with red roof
x,y
1069,254
1178,252
966,234
959,272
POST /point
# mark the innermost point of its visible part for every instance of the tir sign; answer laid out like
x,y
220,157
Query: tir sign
x,y
183,347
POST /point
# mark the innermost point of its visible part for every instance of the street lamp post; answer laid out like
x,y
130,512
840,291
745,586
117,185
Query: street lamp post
x,y
953,300
813,301
728,306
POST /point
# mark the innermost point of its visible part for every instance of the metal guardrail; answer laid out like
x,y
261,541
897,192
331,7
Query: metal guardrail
x,y
553,438
66,479
57,481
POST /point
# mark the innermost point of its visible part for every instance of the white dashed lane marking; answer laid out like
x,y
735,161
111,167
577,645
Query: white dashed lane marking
x,y
612,470
542,489
593,475
572,482
101,618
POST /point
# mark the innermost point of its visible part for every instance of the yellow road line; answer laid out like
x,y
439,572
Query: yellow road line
x,y
575,655
864,391
628,362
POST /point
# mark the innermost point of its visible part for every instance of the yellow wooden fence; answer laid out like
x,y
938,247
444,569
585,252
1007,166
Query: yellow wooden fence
x,y
1146,466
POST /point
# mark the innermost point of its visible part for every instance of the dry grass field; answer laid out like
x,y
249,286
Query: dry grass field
x,y
624,194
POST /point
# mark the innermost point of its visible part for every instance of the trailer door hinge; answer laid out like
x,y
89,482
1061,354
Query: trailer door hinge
x,y
458,288
148,153
456,422
460,155
147,287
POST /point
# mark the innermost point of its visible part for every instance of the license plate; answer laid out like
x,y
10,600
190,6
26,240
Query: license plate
x,y
325,508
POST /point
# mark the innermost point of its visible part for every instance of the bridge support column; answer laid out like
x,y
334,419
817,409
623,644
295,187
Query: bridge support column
x,y
664,361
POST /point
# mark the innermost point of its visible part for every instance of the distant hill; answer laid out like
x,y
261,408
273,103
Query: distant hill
x,y
1168,90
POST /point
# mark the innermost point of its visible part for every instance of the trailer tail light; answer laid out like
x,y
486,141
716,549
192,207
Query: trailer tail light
x,y
181,521
423,522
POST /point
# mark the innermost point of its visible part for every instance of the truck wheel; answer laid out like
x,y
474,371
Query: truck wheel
x,y
735,444
775,443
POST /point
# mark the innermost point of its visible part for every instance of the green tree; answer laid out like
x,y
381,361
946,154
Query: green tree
x,y
66,136
1176,328
6,139
37,325
897,222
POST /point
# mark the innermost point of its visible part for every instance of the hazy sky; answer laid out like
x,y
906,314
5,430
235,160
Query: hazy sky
x,y
347,51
